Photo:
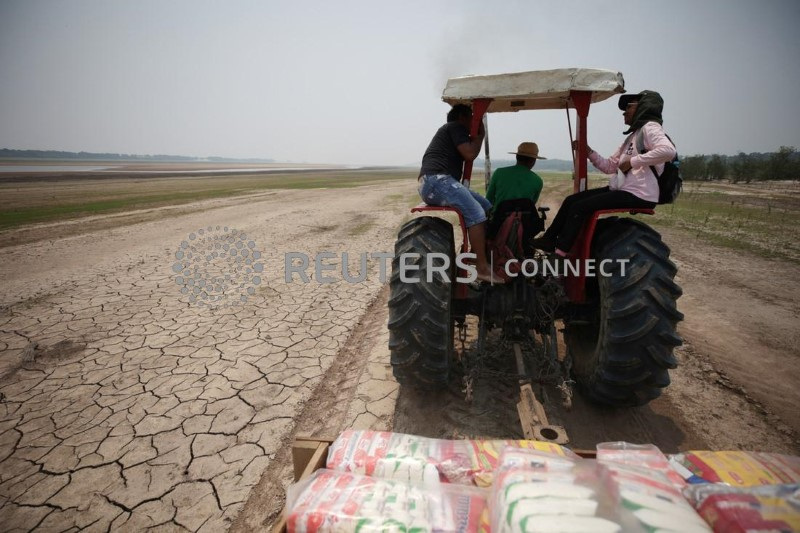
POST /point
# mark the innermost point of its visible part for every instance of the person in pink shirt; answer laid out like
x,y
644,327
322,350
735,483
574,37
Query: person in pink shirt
x,y
632,185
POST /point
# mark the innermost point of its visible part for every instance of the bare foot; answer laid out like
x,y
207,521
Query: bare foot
x,y
490,277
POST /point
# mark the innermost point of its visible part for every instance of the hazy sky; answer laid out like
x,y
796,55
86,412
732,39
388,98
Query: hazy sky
x,y
360,82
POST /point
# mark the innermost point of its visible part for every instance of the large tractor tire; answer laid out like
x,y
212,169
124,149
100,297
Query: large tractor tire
x,y
622,351
420,318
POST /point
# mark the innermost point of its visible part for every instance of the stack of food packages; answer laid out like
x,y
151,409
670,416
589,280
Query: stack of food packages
x,y
419,459
381,481
740,491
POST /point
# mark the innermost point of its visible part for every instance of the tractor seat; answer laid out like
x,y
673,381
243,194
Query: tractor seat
x,y
425,207
533,222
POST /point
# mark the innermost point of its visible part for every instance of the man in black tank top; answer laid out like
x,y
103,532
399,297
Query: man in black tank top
x,y
440,175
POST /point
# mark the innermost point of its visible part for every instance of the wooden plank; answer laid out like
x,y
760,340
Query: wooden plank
x,y
302,452
533,406
308,438
532,415
280,525
308,455
526,416
586,454
317,461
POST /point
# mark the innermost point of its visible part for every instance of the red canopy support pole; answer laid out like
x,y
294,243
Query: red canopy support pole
x,y
479,107
581,100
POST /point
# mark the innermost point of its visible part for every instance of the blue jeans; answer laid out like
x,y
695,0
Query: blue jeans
x,y
443,189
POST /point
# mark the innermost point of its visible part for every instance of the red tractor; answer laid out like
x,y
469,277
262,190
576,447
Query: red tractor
x,y
619,329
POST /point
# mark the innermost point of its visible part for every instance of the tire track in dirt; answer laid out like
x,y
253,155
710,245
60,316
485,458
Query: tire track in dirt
x,y
446,414
721,411
324,416
742,314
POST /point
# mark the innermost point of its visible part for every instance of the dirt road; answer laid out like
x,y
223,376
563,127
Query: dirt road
x,y
124,405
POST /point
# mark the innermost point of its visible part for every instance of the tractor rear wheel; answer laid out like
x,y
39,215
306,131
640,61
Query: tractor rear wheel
x,y
622,351
420,318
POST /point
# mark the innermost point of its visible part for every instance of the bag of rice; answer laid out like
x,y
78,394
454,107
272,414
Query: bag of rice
x,y
538,492
424,460
330,501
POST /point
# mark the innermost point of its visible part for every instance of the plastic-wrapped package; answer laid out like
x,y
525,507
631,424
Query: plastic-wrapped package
x,y
420,459
536,492
331,501
739,469
648,501
646,456
646,489
768,508
537,460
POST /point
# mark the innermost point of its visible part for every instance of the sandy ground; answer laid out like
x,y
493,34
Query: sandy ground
x,y
122,405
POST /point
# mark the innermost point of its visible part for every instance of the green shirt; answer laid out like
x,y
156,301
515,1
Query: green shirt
x,y
511,183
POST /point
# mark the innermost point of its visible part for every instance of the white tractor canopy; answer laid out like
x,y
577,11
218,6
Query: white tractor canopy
x,y
539,89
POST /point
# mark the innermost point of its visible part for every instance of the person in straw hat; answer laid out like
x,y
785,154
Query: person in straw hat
x,y
517,181
517,188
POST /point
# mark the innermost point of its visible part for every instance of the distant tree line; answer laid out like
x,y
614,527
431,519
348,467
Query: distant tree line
x,y
781,165
6,153
560,165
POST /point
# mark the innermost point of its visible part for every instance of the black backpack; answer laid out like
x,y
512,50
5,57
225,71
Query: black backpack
x,y
670,181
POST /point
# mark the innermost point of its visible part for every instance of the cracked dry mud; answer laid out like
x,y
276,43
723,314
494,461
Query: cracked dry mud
x,y
125,407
